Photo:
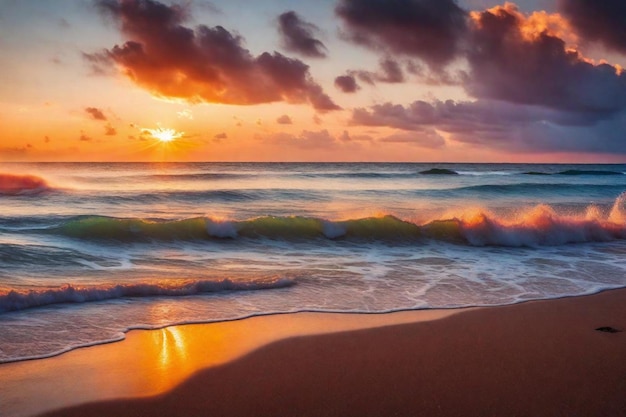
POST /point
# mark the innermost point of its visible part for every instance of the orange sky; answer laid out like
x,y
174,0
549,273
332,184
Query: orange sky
x,y
240,82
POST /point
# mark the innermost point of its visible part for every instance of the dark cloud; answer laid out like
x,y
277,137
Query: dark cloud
x,y
84,138
284,120
389,71
510,56
508,61
201,65
95,113
298,36
429,29
220,136
346,83
499,124
598,20
451,116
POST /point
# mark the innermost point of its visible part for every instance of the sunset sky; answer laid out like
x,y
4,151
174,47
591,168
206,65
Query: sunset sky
x,y
325,80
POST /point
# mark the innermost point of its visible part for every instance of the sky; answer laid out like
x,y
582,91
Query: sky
x,y
325,80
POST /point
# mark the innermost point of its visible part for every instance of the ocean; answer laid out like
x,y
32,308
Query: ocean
x,y
89,251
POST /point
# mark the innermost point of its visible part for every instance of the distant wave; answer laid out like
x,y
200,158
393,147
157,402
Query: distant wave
x,y
208,196
541,225
14,300
16,185
522,188
574,172
439,171
365,175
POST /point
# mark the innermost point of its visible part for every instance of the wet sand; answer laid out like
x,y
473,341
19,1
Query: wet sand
x,y
542,358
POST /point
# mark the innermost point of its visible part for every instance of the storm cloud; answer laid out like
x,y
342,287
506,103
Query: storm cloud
x,y
531,89
598,20
430,30
205,64
512,62
502,125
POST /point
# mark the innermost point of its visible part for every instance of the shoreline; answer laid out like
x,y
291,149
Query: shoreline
x,y
364,357
132,329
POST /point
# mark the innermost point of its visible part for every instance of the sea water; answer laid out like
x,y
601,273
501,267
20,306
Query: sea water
x,y
91,250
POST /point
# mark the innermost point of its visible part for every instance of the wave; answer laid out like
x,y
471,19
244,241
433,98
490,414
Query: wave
x,y
14,300
18,185
540,225
439,171
576,172
523,188
364,175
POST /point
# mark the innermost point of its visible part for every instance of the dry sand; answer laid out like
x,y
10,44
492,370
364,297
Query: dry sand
x,y
541,358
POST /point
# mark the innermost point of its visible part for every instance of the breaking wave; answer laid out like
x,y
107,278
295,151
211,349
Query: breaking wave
x,y
537,226
16,185
15,300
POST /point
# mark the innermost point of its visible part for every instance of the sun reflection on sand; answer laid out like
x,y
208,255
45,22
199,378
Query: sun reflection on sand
x,y
151,362
173,347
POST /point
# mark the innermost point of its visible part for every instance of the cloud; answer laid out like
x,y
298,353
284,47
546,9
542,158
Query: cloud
x,y
220,136
531,88
598,20
84,138
200,65
429,29
511,60
109,130
298,36
284,120
347,83
502,125
527,59
389,72
95,113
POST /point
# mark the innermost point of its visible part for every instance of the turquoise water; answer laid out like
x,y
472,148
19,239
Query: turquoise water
x,y
88,251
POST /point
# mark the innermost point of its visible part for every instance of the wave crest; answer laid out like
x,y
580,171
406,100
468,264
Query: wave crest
x,y
541,225
14,184
14,300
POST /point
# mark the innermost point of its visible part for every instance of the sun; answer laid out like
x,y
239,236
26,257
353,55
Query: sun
x,y
165,135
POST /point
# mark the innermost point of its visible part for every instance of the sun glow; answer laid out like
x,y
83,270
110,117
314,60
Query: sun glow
x,y
164,135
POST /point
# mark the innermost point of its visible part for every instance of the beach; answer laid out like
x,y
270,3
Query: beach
x,y
540,358
289,209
